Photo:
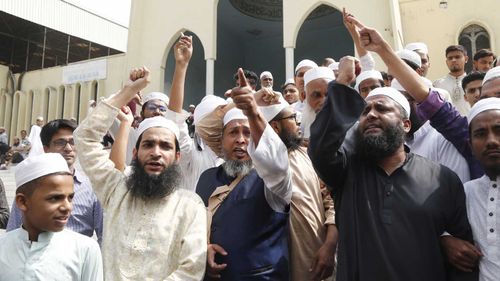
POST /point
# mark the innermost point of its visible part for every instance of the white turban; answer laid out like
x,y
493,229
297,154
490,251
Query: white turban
x,y
367,75
270,111
206,106
410,56
317,73
394,95
234,114
417,46
266,74
481,106
38,166
491,74
157,122
155,96
334,65
305,62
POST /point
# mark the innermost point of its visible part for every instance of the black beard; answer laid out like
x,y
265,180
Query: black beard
x,y
146,186
233,168
292,141
380,146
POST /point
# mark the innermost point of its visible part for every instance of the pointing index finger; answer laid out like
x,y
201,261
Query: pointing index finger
x,y
353,20
242,78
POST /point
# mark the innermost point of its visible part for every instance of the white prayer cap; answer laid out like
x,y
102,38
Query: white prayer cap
x,y
234,114
266,74
394,95
417,46
367,74
481,106
305,62
410,56
334,65
288,82
317,73
155,96
270,111
491,74
156,122
38,166
206,106
397,85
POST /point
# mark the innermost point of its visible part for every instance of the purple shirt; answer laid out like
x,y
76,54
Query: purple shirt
x,y
454,127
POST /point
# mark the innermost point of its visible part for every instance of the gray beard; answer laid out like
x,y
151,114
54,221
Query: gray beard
x,y
234,168
308,117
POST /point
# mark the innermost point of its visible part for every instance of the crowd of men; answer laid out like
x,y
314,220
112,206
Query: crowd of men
x,y
348,174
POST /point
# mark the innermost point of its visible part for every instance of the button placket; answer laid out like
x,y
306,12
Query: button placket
x,y
491,208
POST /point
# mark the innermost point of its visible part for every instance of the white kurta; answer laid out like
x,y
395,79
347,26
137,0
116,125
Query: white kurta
x,y
163,239
483,208
56,256
36,142
429,143
454,86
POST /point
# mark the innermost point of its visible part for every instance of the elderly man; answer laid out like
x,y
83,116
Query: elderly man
x,y
316,81
86,218
313,235
456,58
300,70
482,198
247,197
391,201
154,230
266,80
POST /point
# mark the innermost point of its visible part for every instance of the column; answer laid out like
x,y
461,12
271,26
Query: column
x,y
290,71
210,77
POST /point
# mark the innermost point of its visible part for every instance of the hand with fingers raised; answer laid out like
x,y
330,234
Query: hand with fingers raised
x,y
370,39
183,49
138,80
243,96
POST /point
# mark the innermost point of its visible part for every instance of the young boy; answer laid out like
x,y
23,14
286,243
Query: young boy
x,y
42,249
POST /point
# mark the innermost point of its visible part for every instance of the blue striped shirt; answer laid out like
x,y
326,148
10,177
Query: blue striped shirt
x,y
86,215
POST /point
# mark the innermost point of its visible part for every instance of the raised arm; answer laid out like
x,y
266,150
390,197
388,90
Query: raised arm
x,y
183,50
118,152
366,60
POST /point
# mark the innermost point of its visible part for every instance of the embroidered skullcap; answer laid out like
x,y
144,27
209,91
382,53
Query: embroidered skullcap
x,y
38,166
491,74
367,75
417,46
481,106
234,114
394,94
270,111
334,65
305,62
156,122
206,106
155,96
317,73
410,56
266,74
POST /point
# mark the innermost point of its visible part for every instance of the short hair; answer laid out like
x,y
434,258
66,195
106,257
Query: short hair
x,y
248,74
454,48
51,128
28,188
473,76
483,53
138,144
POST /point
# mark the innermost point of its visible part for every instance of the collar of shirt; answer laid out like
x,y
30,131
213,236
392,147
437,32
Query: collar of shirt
x,y
43,237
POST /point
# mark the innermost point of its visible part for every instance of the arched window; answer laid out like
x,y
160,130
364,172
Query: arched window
x,y
474,38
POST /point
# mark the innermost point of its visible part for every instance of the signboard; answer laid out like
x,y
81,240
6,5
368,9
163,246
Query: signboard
x,y
83,72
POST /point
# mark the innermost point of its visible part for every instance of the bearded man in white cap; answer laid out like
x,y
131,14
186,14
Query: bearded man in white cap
x,y
155,231
316,84
42,249
483,199
313,235
391,201
266,80
247,197
300,70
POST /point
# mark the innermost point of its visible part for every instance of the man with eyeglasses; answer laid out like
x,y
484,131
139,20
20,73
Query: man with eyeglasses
x,y
312,231
472,85
86,217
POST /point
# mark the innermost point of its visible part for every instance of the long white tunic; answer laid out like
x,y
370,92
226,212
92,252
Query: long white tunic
x,y
453,85
56,256
483,208
163,239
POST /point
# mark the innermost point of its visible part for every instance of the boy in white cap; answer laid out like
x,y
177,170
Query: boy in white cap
x,y
381,189
482,195
155,230
42,249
